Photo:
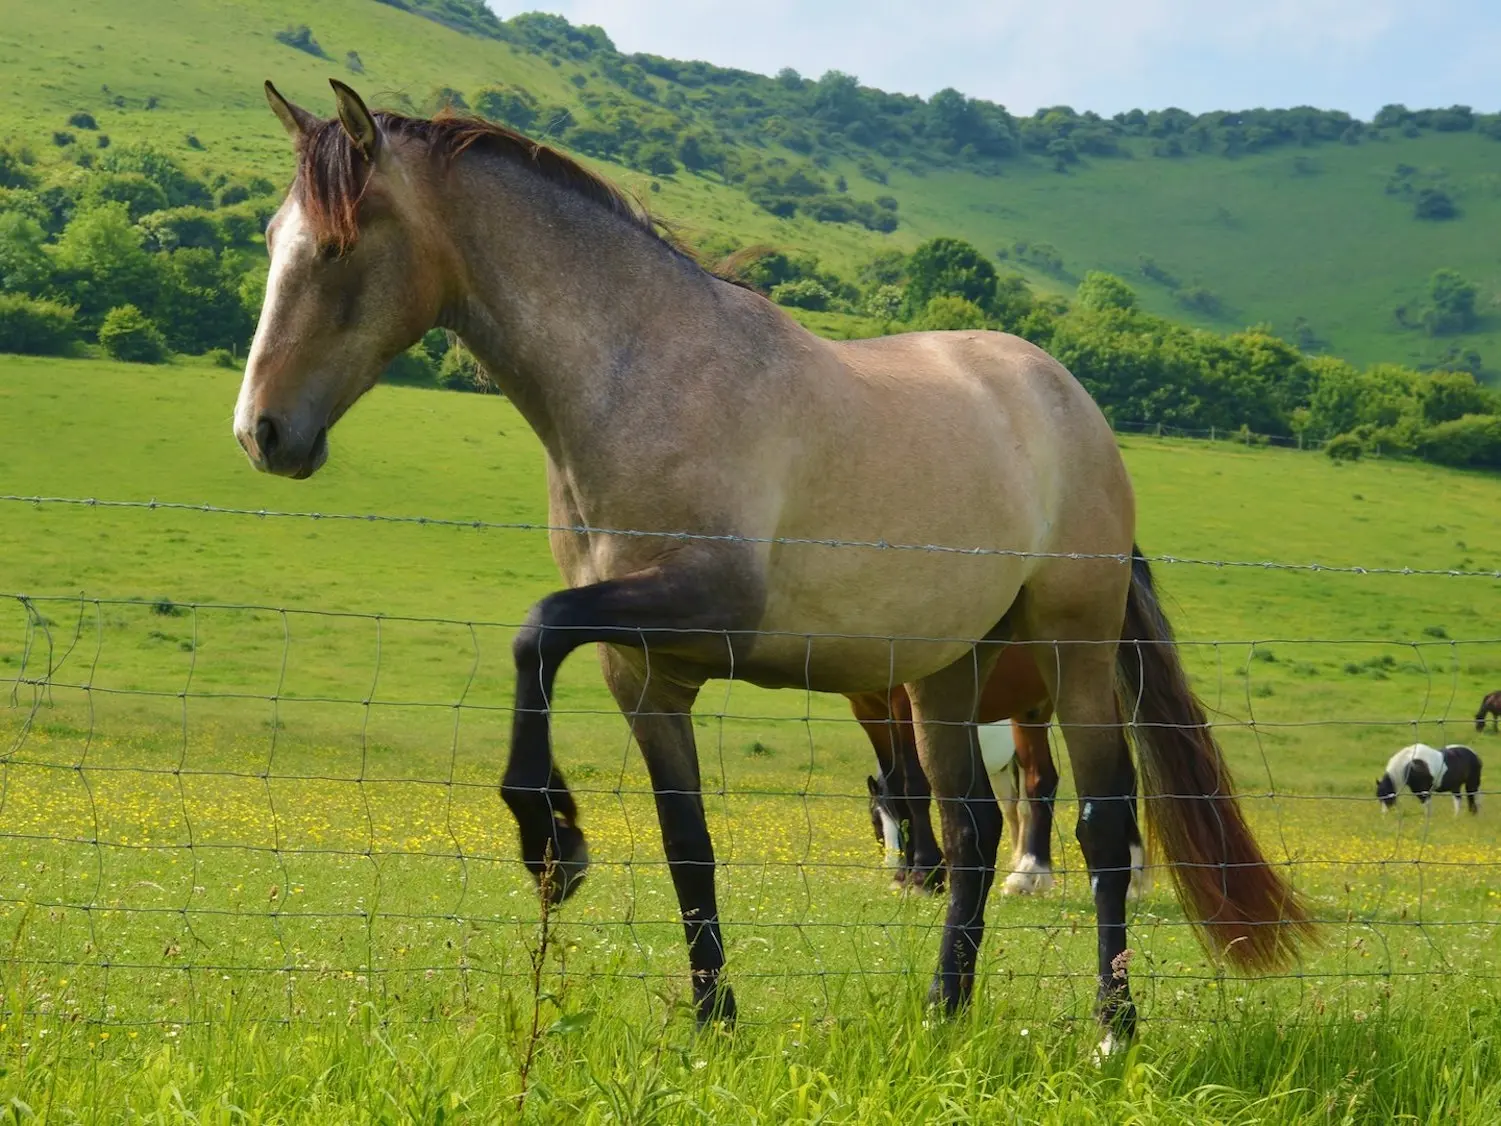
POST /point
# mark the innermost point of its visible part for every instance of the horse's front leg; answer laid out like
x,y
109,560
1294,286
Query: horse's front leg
x,y
697,610
944,706
659,712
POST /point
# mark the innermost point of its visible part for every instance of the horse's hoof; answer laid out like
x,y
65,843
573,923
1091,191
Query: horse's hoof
x,y
716,1006
557,880
1112,1045
925,882
1029,878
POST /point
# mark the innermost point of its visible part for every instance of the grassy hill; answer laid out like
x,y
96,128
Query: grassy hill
x,y
1319,241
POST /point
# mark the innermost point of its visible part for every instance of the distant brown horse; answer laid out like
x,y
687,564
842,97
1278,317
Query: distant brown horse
x,y
733,497
1490,706
900,796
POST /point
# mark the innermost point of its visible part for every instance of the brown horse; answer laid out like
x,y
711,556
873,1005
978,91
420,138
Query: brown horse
x,y
900,796
726,503
1490,706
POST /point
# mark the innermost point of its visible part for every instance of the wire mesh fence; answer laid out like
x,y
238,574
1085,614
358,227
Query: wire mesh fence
x,y
220,810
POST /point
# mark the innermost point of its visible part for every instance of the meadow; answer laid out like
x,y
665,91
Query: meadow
x,y
1309,241
256,868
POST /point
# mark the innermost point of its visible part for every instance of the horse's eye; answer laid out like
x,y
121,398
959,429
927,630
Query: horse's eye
x,y
329,251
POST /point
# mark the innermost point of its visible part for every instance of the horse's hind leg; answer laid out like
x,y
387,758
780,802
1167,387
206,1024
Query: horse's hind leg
x,y
658,712
944,706
1033,871
1075,608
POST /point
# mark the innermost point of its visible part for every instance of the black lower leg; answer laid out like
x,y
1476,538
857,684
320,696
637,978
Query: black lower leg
x,y
1105,830
552,846
690,859
925,868
971,837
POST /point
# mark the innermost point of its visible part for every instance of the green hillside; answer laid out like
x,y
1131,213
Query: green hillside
x,y
1310,225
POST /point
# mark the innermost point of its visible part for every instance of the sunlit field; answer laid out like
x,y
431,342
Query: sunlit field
x,y
254,865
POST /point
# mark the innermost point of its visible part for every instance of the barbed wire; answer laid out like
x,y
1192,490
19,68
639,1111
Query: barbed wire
x,y
39,501
143,808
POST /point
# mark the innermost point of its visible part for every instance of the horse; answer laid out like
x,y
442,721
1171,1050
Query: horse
x,y
1427,771
900,794
1490,706
725,503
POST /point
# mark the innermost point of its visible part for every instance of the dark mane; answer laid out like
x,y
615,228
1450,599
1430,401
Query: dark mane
x,y
332,173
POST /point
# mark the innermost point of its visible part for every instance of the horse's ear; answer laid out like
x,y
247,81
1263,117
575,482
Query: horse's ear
x,y
870,784
296,120
357,120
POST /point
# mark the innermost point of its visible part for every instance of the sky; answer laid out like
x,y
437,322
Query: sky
x,y
1101,55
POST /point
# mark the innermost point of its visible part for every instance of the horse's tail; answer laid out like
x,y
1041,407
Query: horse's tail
x,y
1246,909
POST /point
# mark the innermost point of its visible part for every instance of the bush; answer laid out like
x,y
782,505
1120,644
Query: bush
x,y
803,294
1434,203
946,313
460,371
1473,440
1345,447
221,358
35,327
140,195
82,120
301,39
413,367
128,334
181,227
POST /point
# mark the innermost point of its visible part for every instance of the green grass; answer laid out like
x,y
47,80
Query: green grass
x,y
1279,236
218,905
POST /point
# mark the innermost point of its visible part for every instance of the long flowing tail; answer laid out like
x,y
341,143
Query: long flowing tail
x,y
1245,908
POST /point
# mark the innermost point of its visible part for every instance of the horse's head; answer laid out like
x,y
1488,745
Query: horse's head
x,y
354,281
1386,792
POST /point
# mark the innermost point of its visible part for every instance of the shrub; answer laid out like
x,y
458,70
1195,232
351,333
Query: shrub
x,y
301,39
803,294
62,138
352,62
1345,447
35,327
82,120
221,358
947,312
1473,440
1434,203
658,161
460,371
128,334
413,367
140,195
181,227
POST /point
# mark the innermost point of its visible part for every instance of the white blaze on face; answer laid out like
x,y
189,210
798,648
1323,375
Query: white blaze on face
x,y
293,240
892,832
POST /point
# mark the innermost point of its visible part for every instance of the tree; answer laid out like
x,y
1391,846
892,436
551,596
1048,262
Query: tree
x,y
1452,303
510,105
127,334
24,265
101,263
1102,291
949,267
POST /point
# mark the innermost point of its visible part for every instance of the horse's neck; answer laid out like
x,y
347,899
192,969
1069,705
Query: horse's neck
x,y
563,304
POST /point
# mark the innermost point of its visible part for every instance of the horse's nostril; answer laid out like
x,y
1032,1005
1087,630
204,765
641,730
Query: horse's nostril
x,y
266,436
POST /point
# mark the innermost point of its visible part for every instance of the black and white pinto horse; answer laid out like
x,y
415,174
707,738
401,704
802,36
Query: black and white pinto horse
x,y
1427,771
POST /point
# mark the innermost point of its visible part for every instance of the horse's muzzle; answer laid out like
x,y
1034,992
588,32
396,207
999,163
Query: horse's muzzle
x,y
274,447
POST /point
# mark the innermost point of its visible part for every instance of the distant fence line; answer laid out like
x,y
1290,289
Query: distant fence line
x,y
40,501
